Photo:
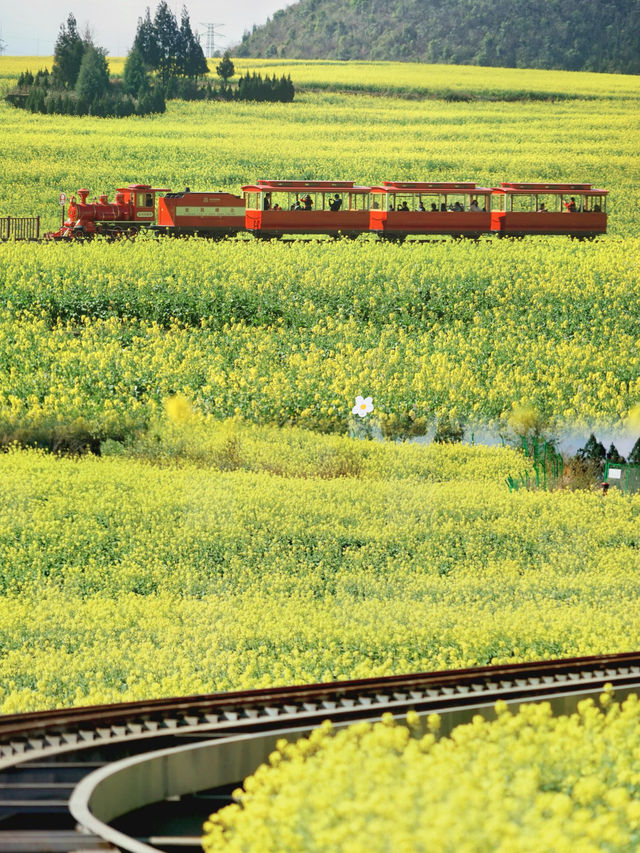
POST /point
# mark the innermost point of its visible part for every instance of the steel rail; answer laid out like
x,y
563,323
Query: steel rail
x,y
97,757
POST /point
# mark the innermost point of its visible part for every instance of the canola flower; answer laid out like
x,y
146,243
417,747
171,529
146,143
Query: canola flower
x,y
523,783
363,406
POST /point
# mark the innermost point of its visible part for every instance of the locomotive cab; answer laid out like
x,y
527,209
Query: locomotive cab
x,y
138,202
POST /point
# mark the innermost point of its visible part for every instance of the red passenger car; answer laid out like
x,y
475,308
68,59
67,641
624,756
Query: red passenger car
x,y
399,208
209,214
576,210
306,207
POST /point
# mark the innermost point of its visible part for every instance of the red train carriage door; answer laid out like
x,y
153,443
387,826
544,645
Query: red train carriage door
x,y
253,205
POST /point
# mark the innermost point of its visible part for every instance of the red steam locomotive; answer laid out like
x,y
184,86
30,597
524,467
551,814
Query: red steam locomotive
x,y
393,210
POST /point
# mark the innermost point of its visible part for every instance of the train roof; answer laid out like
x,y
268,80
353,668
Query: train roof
x,y
143,188
430,186
305,187
557,189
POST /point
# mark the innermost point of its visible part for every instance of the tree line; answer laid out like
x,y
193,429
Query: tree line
x,y
166,61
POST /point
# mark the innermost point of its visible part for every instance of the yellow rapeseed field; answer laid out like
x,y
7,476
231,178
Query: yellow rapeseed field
x,y
214,547
524,783
100,334
321,135
206,575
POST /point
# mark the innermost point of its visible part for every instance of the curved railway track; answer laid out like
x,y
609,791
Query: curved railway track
x,y
143,776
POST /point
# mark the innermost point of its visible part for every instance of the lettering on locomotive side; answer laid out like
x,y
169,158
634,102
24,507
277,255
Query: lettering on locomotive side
x,y
144,214
210,211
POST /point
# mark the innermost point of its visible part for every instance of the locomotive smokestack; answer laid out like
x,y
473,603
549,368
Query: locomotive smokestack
x,y
83,196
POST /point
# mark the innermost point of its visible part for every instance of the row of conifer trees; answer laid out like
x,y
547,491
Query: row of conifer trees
x,y
166,61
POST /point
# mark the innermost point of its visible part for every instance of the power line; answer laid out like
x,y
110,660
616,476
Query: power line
x,y
211,34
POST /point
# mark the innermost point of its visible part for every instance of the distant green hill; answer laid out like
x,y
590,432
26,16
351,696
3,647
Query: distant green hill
x,y
578,35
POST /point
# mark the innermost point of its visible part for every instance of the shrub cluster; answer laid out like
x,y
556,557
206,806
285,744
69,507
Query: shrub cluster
x,y
253,87
40,98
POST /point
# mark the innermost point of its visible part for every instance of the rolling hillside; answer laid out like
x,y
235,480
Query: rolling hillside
x,y
593,35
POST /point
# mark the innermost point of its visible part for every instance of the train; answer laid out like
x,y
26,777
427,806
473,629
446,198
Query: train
x,y
394,210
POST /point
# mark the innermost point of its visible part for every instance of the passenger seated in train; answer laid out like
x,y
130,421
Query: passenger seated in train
x,y
570,206
421,206
597,208
296,204
266,204
391,207
543,208
335,203
457,207
404,207
434,207
375,205
443,207
474,205
306,200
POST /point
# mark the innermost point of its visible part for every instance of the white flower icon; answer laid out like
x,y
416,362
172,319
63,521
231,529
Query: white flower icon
x,y
363,406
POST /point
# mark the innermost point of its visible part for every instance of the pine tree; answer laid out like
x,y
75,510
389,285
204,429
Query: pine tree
x,y
67,55
225,67
167,37
634,456
93,79
36,100
613,455
135,74
145,42
593,450
191,60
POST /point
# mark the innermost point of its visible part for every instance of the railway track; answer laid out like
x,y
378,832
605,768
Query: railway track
x,y
143,776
